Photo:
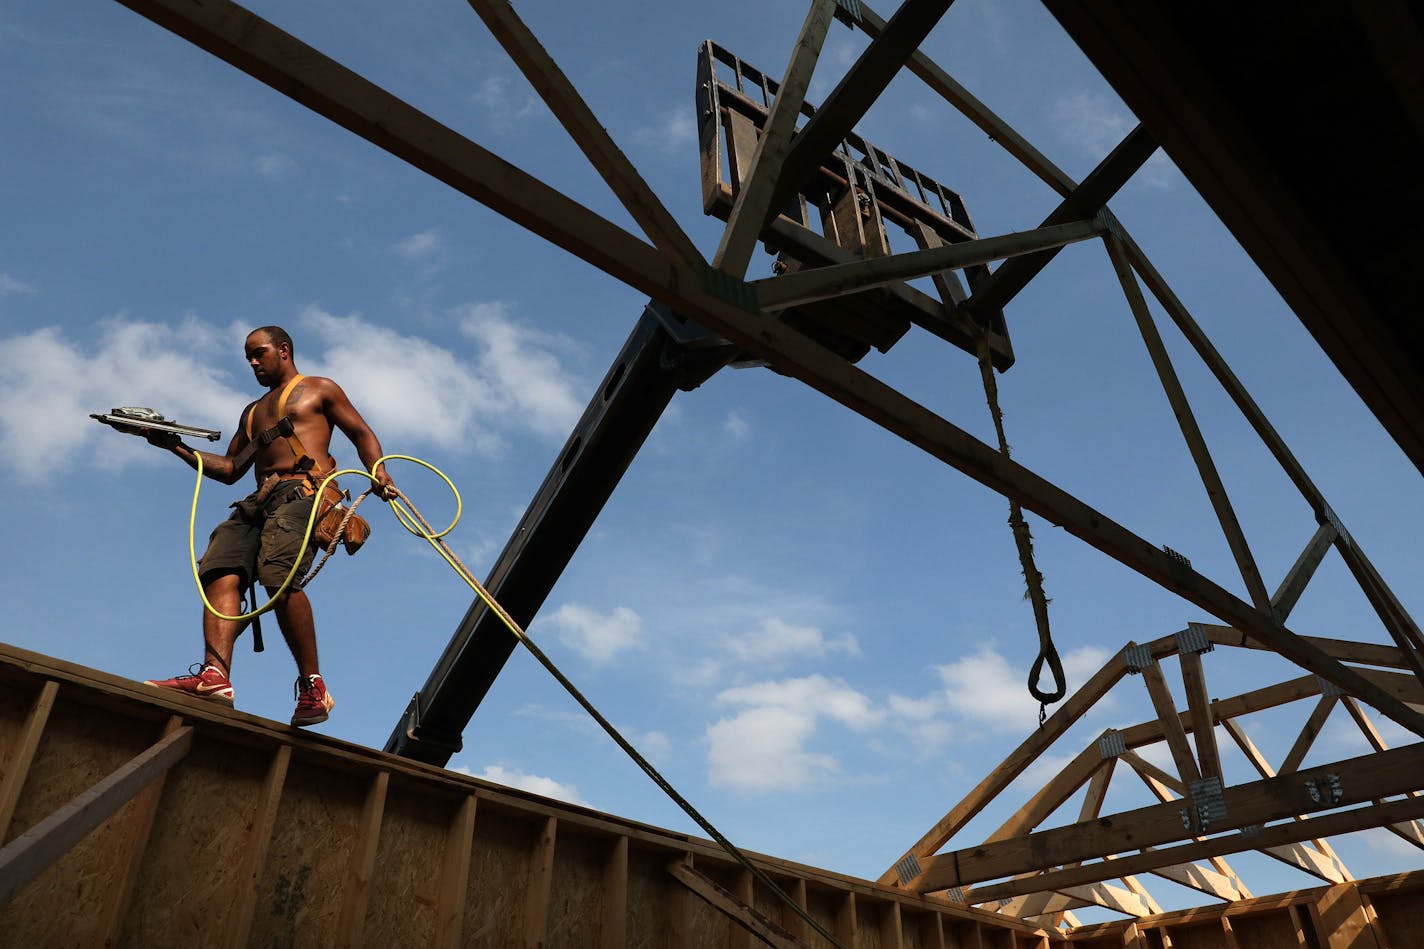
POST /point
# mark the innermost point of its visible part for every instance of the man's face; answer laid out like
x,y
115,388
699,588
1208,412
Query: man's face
x,y
265,358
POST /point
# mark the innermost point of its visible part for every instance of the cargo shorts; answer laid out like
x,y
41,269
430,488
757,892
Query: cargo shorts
x,y
262,542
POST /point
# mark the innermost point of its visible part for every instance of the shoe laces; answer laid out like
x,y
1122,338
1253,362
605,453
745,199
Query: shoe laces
x,y
305,685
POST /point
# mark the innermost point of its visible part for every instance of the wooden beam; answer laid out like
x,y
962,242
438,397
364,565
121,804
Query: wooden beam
x,y
956,95
1344,650
752,206
583,126
31,853
1342,920
455,875
853,95
262,822
1339,784
1052,795
1186,421
747,917
356,893
1204,734
1293,585
1167,714
1409,831
1086,200
1307,735
1328,825
821,283
17,769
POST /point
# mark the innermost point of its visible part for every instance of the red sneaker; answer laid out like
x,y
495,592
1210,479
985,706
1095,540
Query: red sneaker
x,y
209,682
313,701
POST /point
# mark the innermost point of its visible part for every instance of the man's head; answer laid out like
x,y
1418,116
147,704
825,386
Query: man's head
x,y
269,353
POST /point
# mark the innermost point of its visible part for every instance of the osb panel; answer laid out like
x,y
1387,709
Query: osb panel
x,y
1401,916
1272,930
300,887
405,888
209,801
1205,936
15,705
63,904
870,916
577,894
965,935
499,878
824,907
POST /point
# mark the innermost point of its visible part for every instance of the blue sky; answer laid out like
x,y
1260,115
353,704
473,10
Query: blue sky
x,y
815,630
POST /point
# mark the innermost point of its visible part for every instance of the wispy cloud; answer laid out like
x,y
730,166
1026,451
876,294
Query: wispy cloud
x,y
775,641
673,131
598,637
524,781
736,426
766,745
419,247
1094,124
506,101
50,384
986,689
13,286
274,164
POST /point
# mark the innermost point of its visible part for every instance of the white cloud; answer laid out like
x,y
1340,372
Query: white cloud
x,y
411,389
775,640
504,103
533,783
274,164
50,384
11,285
763,746
419,247
1095,124
736,426
598,637
984,687
673,131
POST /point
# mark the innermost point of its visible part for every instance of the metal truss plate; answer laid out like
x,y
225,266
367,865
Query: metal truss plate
x,y
1333,520
1209,800
1193,639
1137,657
1112,744
1327,687
955,894
907,869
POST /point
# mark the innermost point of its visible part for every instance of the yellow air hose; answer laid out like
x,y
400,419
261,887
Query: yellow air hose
x,y
413,522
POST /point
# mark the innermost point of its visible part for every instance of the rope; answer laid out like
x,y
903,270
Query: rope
x,y
1023,540
416,524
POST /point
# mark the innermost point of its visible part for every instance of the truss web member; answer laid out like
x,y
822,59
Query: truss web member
x,y
260,541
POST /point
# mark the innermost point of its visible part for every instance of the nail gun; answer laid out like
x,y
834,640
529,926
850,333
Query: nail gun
x,y
136,420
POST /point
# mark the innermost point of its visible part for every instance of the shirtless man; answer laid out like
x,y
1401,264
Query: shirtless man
x,y
261,539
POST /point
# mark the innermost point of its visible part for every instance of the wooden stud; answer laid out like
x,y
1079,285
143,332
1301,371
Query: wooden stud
x,y
1204,730
613,933
263,821
455,875
1307,735
17,768
932,931
745,893
847,927
116,901
1288,593
31,853
1341,920
541,878
583,126
1176,736
356,894
892,934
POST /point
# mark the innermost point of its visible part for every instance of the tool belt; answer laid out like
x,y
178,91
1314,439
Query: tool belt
x,y
334,519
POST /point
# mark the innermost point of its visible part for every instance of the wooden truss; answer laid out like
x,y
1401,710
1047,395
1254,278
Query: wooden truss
x,y
1288,812
1286,815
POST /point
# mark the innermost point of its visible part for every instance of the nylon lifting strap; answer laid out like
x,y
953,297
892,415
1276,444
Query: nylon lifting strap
x,y
1023,540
